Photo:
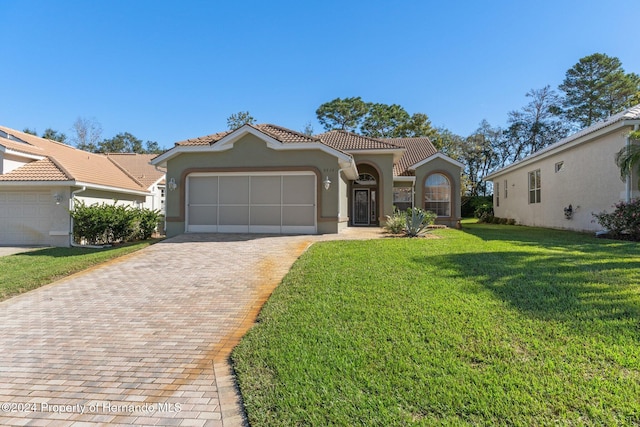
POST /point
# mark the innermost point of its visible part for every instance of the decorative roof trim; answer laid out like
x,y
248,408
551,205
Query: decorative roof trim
x,y
20,153
227,142
433,157
404,178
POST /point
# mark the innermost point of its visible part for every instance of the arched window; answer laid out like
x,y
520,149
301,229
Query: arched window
x,y
437,194
366,179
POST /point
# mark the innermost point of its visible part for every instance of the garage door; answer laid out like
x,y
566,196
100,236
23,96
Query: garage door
x,y
252,203
25,217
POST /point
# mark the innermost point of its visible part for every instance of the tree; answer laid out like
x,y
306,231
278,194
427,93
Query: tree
x,y
385,121
308,129
239,119
344,114
628,157
418,125
479,156
30,131
448,143
123,142
54,135
597,87
535,126
87,134
152,147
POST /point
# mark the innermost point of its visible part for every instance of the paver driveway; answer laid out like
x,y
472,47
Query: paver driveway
x,y
142,340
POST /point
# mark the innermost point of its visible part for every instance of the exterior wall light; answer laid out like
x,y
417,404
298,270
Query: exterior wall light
x,y
327,183
57,198
172,184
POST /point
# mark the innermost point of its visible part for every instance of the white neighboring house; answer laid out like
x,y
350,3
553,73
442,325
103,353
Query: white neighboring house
x,y
39,179
578,172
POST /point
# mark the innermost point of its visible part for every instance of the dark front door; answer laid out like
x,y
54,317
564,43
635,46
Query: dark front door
x,y
361,206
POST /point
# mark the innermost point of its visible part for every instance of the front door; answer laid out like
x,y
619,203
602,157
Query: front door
x,y
361,204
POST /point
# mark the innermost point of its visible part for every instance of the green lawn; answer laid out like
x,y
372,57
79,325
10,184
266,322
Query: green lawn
x,y
491,325
22,272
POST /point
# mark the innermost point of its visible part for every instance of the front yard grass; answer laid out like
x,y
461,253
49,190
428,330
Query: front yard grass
x,y
491,325
29,270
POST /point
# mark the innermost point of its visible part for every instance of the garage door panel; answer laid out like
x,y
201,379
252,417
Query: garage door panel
x,y
266,190
234,190
203,215
298,189
266,215
298,215
234,215
203,189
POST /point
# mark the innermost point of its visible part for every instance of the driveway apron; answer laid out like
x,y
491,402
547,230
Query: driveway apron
x,y
143,340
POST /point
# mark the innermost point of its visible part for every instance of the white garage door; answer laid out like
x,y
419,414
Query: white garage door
x,y
25,217
277,202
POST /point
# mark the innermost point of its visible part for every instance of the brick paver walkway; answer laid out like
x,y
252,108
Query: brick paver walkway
x,y
142,340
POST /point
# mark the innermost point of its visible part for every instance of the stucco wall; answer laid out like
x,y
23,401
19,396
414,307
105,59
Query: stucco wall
x,y
452,172
589,180
90,197
250,153
10,162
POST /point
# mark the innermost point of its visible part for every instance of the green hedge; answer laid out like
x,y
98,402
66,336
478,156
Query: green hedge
x,y
101,224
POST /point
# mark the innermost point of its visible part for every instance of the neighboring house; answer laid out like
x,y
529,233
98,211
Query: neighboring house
x,y
576,173
138,167
268,179
39,179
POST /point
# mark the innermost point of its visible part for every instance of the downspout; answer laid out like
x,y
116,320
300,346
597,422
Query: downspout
x,y
71,242
630,177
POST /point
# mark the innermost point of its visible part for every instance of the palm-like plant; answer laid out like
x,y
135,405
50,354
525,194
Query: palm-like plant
x,y
628,157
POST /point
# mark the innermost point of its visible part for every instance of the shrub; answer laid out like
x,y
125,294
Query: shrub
x,y
418,220
623,222
101,224
396,222
471,203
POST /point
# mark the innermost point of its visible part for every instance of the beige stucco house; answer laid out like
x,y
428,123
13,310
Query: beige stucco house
x,y
269,179
41,178
577,173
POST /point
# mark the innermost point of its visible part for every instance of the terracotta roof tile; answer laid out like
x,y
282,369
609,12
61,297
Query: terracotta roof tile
x,y
137,166
347,141
79,165
417,149
278,133
284,135
40,170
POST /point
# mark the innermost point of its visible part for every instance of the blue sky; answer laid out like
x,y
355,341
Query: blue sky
x,y
170,70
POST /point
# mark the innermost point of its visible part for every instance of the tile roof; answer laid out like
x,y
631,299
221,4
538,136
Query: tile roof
x,y
347,141
78,165
40,170
417,149
278,133
137,166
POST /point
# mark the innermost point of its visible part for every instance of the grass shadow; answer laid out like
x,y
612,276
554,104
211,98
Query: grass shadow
x,y
584,290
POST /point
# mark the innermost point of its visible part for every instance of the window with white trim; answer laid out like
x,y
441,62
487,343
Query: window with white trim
x,y
534,186
402,198
437,194
505,188
497,193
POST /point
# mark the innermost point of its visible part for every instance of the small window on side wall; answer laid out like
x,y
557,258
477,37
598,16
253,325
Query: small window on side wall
x,y
534,186
437,194
559,166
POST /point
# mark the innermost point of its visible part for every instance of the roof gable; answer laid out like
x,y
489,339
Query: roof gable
x,y
40,170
